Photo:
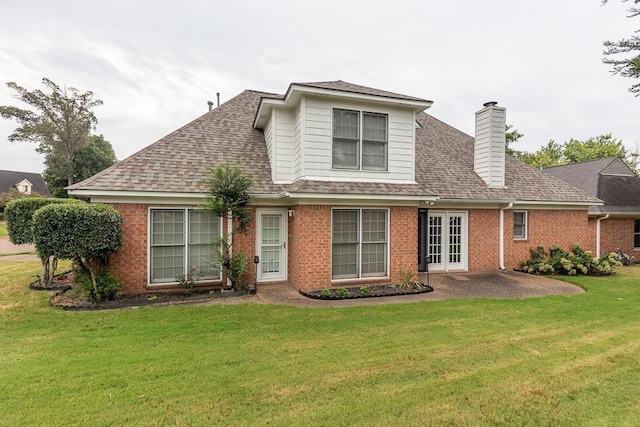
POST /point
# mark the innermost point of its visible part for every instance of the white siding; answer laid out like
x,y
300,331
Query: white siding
x,y
298,141
489,151
284,159
317,155
268,137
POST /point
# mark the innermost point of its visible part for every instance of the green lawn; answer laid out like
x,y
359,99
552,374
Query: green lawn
x,y
545,361
3,229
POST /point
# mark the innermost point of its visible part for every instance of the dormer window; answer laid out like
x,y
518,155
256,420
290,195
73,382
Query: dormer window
x,y
359,140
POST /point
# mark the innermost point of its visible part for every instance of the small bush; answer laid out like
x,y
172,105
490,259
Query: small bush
x,y
578,261
342,292
364,291
108,286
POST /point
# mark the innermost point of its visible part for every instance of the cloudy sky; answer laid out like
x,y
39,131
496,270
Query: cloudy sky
x,y
155,64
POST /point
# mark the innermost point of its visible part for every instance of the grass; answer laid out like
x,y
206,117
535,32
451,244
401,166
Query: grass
x,y
566,360
3,229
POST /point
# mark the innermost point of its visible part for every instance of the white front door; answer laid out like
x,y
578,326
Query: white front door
x,y
447,241
271,245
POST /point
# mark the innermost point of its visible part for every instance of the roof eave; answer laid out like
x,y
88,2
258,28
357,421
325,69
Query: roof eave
x,y
296,91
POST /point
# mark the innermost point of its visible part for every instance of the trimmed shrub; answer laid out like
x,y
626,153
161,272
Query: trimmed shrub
x,y
573,263
85,233
70,231
19,215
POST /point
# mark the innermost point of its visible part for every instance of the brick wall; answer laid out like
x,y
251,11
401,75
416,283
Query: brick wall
x,y
130,263
310,246
616,233
546,228
484,242
309,242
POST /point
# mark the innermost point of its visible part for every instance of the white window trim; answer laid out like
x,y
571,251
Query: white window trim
x,y
359,252
360,150
185,209
526,225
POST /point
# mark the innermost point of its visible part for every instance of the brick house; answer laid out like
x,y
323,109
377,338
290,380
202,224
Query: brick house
x,y
351,185
616,224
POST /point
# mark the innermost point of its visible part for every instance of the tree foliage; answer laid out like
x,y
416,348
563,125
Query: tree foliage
x,y
629,65
511,137
574,151
94,157
229,197
59,121
81,232
229,194
19,214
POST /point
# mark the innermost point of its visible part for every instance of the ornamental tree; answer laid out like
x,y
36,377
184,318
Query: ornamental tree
x,y
19,214
84,233
229,196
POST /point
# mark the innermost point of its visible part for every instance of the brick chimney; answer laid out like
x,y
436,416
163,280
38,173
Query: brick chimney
x,y
489,145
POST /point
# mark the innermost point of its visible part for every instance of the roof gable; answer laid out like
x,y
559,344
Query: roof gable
x,y
10,179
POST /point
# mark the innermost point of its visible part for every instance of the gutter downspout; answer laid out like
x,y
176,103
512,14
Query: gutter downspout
x,y
509,206
598,234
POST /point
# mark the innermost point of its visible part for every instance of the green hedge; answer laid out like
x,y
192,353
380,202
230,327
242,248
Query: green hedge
x,y
19,215
70,231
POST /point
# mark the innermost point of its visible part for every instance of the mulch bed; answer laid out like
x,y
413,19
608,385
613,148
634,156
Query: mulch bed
x,y
73,300
372,291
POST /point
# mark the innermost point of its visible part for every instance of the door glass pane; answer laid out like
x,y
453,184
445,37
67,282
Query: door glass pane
x,y
435,239
455,239
271,243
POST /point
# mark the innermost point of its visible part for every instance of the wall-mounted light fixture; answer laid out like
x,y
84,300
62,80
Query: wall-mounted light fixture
x,y
292,213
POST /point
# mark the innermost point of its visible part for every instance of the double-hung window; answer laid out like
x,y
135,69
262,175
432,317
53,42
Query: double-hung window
x,y
359,243
520,224
636,233
181,243
359,140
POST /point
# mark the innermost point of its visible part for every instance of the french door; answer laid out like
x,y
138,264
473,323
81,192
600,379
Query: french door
x,y
447,240
271,245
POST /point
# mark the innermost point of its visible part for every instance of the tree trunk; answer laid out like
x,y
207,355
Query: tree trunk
x,y
49,265
44,277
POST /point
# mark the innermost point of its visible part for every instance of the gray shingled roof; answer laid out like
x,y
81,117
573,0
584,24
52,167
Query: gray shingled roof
x,y
444,161
583,175
179,161
621,194
9,179
342,86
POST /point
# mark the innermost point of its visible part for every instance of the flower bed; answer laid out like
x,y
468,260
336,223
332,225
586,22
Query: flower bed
x,y
366,292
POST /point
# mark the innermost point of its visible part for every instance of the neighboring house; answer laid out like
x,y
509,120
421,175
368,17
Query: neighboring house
x,y
351,185
617,222
25,182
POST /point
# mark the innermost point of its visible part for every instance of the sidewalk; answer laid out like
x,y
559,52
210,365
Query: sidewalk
x,y
6,247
